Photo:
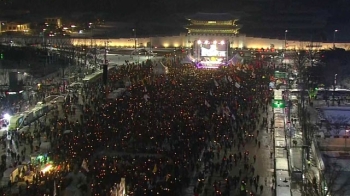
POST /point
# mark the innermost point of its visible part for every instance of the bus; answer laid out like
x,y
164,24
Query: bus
x,y
20,120
93,77
16,122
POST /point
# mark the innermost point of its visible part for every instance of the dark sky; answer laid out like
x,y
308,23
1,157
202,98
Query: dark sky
x,y
158,7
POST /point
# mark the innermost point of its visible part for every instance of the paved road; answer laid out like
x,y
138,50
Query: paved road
x,y
264,166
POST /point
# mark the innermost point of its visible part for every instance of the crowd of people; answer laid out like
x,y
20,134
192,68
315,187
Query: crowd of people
x,y
158,133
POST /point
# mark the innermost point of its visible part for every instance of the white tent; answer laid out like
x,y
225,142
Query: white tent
x,y
236,59
187,60
159,68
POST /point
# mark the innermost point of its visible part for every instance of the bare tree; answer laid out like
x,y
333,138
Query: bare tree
x,y
336,123
332,180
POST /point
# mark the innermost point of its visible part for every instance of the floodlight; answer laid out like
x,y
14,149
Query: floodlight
x,y
222,42
215,42
7,117
206,42
199,42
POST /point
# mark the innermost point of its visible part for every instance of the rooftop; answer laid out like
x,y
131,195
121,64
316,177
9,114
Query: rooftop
x,y
213,27
212,16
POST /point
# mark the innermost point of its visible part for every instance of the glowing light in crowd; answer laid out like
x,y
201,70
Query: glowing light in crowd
x,y
47,168
7,117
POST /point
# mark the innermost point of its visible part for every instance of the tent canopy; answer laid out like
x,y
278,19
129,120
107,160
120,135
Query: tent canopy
x,y
159,68
187,60
236,59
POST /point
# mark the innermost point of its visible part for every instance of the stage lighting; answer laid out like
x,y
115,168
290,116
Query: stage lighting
x,y
222,42
199,42
206,42
7,117
215,42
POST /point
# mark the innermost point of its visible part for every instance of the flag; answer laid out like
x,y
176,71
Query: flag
x,y
233,117
224,79
226,111
237,85
54,188
206,103
218,109
146,97
216,83
229,78
253,75
84,165
155,169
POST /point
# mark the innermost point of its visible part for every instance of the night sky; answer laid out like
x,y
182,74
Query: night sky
x,y
325,15
337,8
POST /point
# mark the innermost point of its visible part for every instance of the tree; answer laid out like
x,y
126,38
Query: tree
x,y
336,123
334,61
332,180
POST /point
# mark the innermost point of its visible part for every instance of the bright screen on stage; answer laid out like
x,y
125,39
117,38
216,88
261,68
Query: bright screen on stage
x,y
213,50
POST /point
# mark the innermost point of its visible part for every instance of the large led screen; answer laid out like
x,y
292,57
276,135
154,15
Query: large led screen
x,y
213,50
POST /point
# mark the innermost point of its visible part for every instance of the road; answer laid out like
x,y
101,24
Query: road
x,y
264,165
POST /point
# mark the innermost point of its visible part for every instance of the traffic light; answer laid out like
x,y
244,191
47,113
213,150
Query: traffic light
x,y
1,56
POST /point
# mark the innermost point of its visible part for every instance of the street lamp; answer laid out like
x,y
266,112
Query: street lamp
x,y
199,44
335,83
285,39
335,31
346,137
134,30
1,23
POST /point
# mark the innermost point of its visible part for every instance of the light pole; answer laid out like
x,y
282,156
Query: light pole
x,y
134,30
335,83
335,31
346,137
1,23
199,43
285,39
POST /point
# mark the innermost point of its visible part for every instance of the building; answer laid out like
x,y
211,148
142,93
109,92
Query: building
x,y
16,26
211,26
54,21
211,35
212,23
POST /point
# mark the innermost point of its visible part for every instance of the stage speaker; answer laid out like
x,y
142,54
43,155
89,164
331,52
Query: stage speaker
x,y
105,74
13,80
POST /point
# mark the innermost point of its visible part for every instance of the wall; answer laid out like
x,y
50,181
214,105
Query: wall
x,y
184,40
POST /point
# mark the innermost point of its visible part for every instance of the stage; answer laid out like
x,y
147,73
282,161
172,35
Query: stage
x,y
210,64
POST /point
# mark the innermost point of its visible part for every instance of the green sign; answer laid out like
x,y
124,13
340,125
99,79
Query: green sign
x,y
279,74
278,104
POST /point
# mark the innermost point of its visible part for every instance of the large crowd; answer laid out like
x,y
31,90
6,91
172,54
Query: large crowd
x,y
157,134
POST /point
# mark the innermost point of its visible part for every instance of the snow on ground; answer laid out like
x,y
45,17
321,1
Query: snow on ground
x,y
336,115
